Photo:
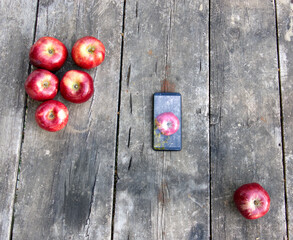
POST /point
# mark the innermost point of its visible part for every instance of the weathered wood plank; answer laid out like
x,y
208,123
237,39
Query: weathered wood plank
x,y
66,179
246,144
17,30
285,36
163,195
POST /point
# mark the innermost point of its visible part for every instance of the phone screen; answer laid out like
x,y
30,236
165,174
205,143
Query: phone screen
x,y
167,122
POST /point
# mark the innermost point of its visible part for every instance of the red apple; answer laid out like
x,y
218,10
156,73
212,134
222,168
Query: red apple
x,y
52,115
252,200
88,52
76,86
48,53
41,85
167,123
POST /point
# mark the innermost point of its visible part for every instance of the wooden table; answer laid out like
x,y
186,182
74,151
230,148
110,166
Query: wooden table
x,y
99,178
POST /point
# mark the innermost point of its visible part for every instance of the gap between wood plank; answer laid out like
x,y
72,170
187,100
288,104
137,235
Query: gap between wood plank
x,y
118,121
282,120
24,117
210,159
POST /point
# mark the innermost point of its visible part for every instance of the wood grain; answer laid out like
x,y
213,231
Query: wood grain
x,y
66,179
17,32
285,37
246,142
163,195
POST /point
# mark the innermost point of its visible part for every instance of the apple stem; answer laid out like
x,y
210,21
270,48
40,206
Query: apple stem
x,y
51,115
91,49
257,203
46,84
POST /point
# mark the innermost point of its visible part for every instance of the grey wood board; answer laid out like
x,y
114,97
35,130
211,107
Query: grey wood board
x,y
163,195
246,142
285,36
17,31
66,178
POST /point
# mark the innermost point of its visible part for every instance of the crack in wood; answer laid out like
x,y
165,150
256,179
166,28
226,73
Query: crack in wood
x,y
64,200
282,144
136,15
168,42
130,103
90,205
129,136
24,120
167,58
87,226
130,162
141,151
116,177
200,65
92,101
128,75
163,195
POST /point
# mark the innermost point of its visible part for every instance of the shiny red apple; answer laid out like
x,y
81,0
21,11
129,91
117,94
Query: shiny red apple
x,y
88,52
48,53
41,85
167,123
76,86
252,200
52,115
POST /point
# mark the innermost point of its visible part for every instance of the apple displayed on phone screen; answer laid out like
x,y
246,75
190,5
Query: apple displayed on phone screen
x,y
167,122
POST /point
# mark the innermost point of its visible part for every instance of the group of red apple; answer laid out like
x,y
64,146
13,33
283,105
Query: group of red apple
x,y
49,54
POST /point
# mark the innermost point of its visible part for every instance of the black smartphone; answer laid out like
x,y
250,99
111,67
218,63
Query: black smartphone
x,y
167,122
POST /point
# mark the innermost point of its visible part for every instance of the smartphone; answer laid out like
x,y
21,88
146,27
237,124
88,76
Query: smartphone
x,y
167,122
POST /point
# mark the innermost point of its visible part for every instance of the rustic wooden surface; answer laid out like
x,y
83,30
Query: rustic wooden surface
x,y
246,142
163,195
285,40
66,182
99,178
16,37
